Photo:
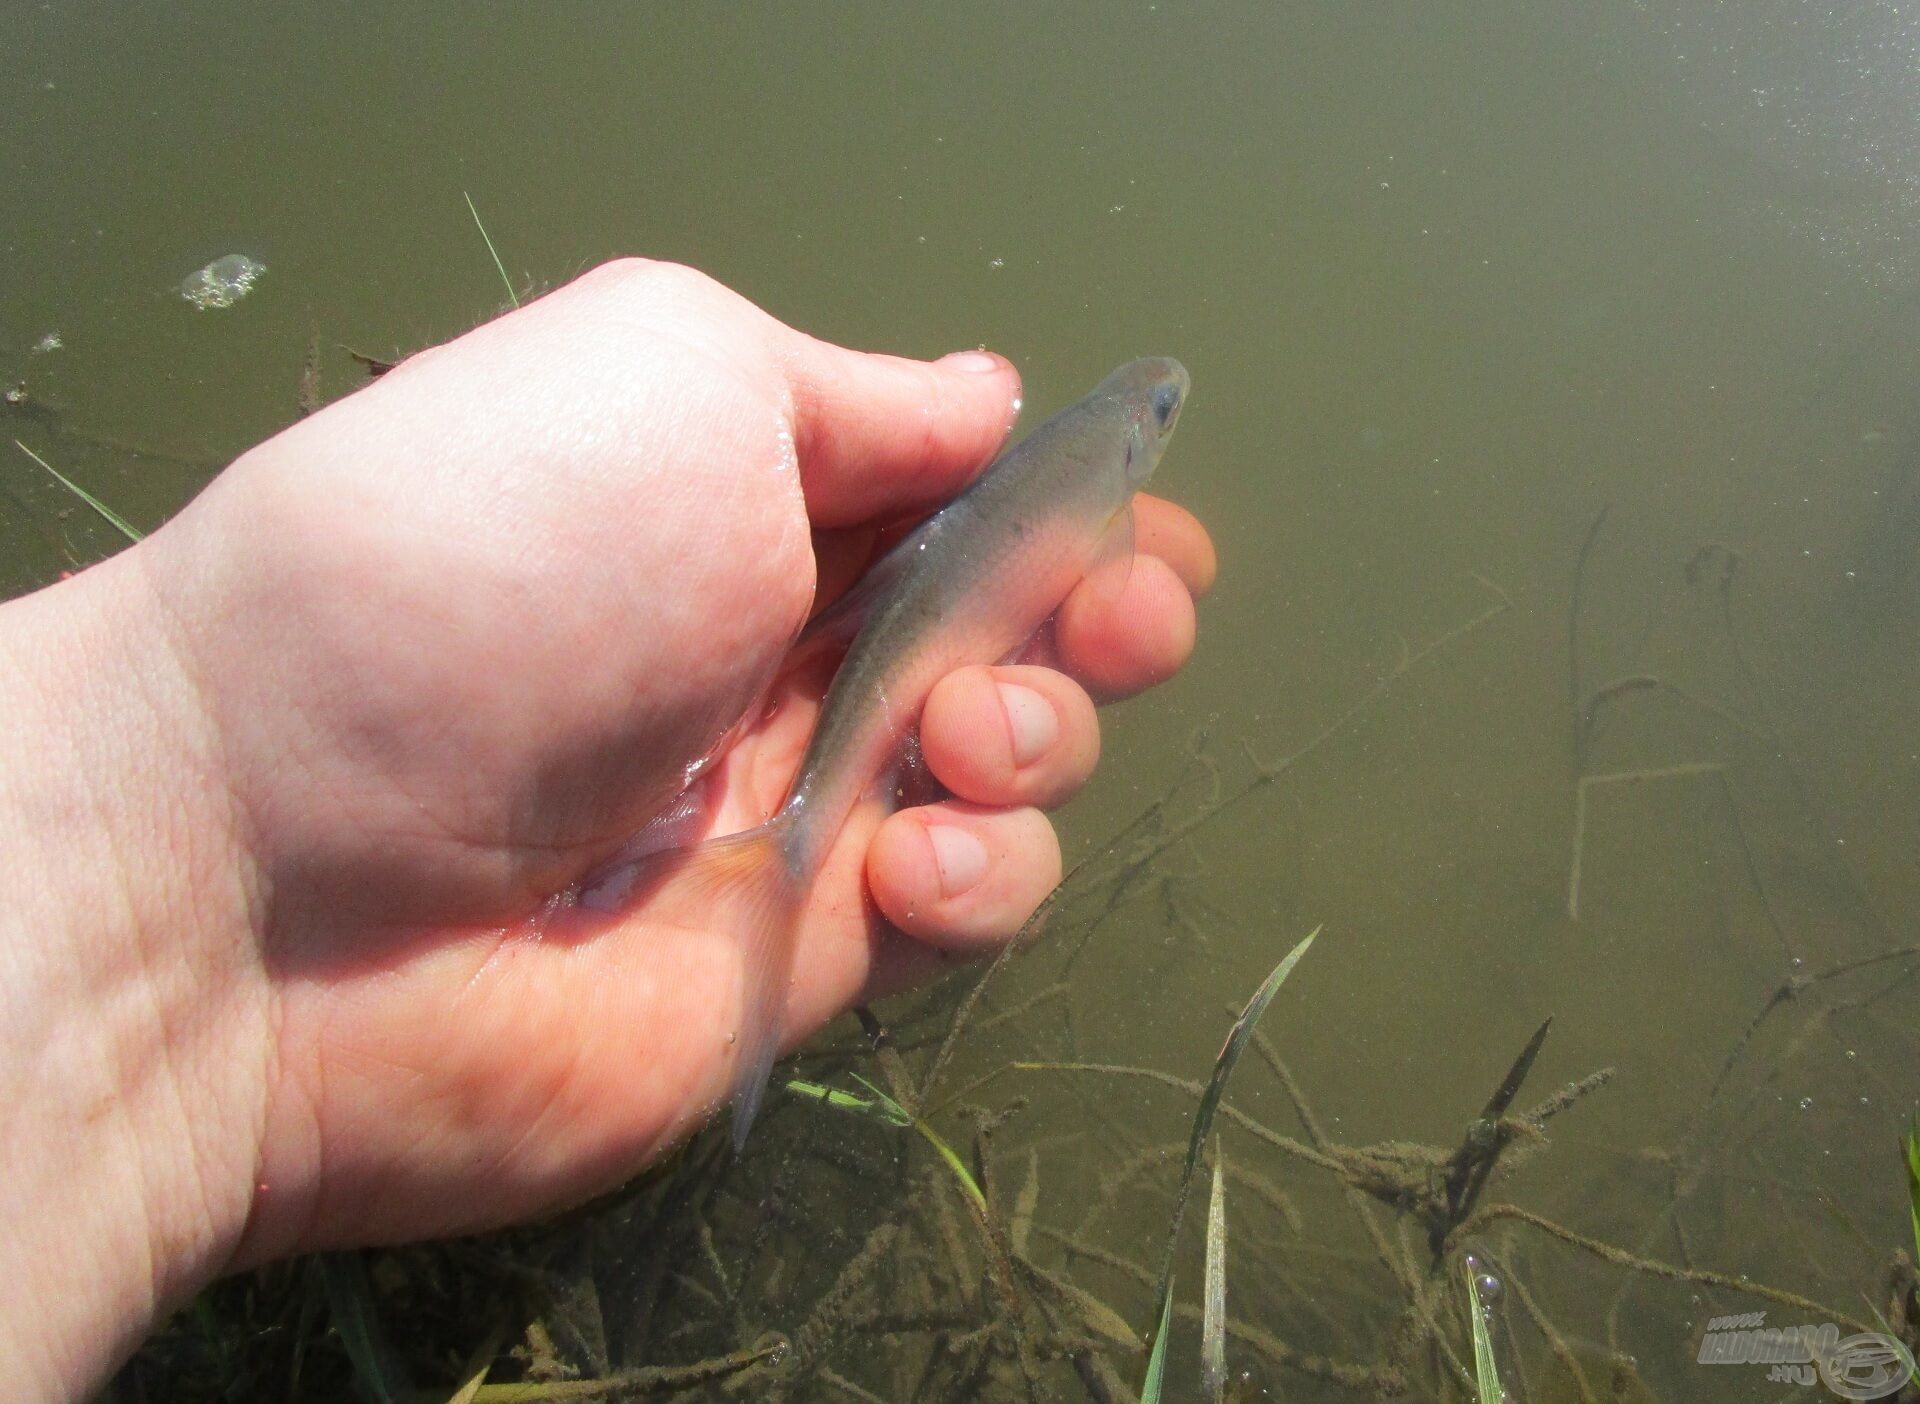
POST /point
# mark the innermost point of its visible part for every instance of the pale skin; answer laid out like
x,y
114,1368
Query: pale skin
x,y
285,787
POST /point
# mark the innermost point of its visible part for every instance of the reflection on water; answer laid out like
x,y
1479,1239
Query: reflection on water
x,y
1452,279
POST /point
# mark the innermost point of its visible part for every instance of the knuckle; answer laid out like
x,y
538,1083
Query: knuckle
x,y
650,281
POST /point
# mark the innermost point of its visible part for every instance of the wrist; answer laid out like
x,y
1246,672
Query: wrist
x,y
136,1026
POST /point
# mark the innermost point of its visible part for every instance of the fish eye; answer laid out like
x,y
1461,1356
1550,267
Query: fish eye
x,y
1166,399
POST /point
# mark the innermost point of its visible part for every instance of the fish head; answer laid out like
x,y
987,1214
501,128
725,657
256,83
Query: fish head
x,y
1150,393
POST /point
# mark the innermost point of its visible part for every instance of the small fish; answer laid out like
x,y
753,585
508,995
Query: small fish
x,y
971,584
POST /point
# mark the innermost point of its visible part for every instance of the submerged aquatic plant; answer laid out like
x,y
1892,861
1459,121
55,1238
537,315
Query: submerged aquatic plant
x,y
885,1108
1213,1309
1203,1115
1486,1374
1911,1145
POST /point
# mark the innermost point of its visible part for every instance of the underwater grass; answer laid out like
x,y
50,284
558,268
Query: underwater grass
x,y
1156,1377
885,1108
356,1321
1223,1066
1912,1147
1486,1376
1213,1310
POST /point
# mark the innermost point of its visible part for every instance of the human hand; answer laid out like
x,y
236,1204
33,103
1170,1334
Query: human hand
x,y
427,658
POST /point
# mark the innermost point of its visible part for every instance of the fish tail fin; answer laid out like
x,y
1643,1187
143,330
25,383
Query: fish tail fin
x,y
746,886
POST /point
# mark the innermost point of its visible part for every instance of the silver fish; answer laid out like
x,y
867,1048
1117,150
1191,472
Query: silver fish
x,y
969,585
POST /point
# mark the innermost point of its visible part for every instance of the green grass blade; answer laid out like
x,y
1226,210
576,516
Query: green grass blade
x,y
887,1109
206,1317
1223,1066
1213,1311
1486,1377
113,518
350,1305
505,281
934,1139
479,1365
1913,1186
1157,1360
883,1108
954,1163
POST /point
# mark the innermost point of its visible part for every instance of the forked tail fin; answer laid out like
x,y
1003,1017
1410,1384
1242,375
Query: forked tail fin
x,y
744,885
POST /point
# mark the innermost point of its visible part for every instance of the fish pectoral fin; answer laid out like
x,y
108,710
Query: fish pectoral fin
x,y
1108,572
1112,564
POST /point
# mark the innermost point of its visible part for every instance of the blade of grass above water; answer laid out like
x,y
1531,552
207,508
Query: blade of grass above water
x,y
112,518
505,281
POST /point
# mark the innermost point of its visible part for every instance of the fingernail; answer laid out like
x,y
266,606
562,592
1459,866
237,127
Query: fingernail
x,y
1031,721
975,362
960,857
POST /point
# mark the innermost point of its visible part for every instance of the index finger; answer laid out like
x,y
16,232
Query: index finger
x,y
1169,531
881,437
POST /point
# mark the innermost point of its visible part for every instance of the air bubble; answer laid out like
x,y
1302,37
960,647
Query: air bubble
x,y
221,283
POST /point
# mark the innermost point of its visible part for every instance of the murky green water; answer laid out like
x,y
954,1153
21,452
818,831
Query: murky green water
x,y
1451,280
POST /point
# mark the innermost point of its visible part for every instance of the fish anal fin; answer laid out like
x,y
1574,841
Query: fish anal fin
x,y
744,888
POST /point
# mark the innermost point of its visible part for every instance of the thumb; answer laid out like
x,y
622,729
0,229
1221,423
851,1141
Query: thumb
x,y
881,437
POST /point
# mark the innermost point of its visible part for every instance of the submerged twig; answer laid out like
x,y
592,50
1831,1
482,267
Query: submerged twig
x,y
1585,783
1577,706
1621,1257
